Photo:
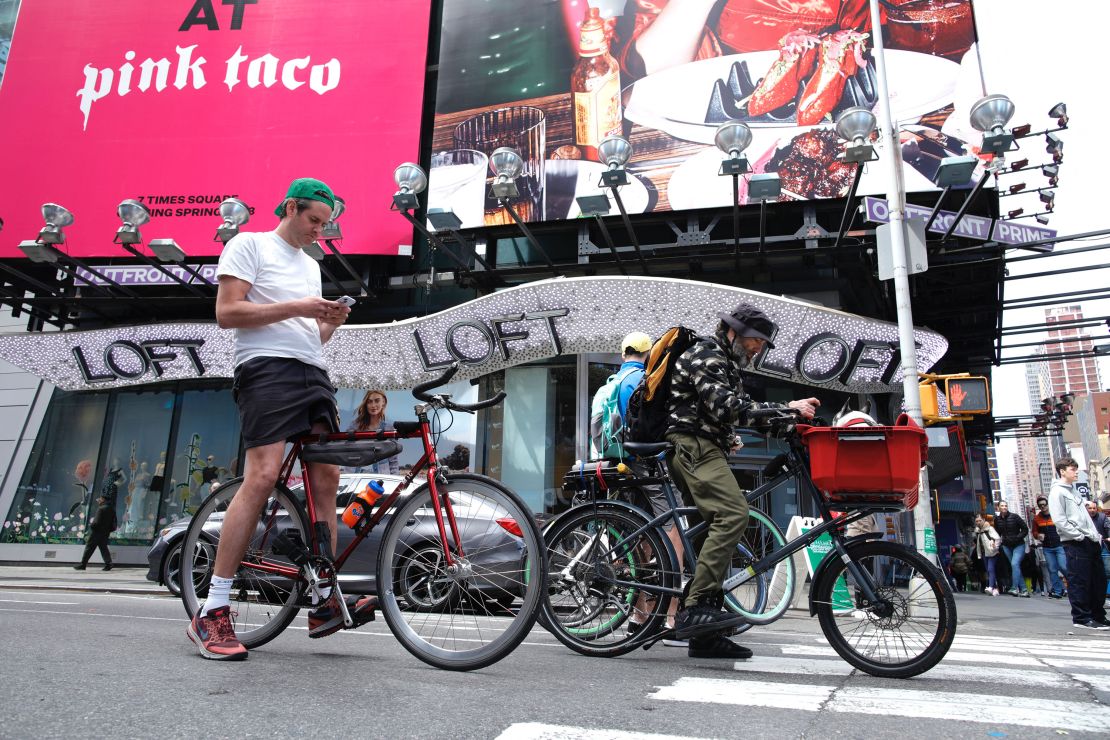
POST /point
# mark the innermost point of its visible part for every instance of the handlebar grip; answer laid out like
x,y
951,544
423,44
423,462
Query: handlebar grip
x,y
477,406
421,390
783,412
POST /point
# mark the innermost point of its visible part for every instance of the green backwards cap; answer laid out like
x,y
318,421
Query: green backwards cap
x,y
309,188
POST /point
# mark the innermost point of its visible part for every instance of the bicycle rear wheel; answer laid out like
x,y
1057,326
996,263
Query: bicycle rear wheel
x,y
475,611
596,570
766,596
263,603
907,631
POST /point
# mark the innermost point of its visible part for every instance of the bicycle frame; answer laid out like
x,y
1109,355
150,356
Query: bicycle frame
x,y
796,468
420,429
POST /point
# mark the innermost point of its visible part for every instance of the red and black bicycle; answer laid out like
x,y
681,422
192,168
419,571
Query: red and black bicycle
x,y
460,559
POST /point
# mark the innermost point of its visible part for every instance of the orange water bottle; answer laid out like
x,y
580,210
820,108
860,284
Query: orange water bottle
x,y
362,503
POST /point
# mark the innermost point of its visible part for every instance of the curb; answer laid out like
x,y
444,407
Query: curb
x,y
85,589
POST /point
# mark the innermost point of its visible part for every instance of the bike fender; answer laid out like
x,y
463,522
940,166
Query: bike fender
x,y
827,562
619,505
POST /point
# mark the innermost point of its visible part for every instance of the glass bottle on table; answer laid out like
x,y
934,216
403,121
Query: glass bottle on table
x,y
595,87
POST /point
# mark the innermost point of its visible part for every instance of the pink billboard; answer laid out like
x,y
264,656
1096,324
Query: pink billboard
x,y
182,103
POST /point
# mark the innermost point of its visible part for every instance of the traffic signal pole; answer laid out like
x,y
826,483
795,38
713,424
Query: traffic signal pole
x,y
896,198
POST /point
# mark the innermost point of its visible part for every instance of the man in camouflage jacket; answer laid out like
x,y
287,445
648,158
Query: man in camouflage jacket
x,y
707,402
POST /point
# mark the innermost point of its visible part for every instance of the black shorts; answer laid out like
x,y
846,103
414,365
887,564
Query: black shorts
x,y
280,398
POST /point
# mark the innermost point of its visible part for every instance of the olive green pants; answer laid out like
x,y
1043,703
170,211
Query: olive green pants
x,y
700,469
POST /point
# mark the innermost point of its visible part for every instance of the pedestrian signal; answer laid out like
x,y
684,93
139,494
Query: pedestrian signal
x,y
969,395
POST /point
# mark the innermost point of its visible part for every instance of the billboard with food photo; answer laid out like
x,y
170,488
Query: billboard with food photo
x,y
554,78
182,103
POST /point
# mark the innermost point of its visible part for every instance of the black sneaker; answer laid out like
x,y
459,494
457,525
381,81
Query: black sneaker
x,y
1091,624
700,618
717,646
79,567
107,567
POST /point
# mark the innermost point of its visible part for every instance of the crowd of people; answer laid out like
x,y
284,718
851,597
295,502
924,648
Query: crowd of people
x,y
1064,552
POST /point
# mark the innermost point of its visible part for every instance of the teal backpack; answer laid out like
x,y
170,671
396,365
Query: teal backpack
x,y
606,425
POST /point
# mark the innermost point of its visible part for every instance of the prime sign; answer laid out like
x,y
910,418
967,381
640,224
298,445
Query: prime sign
x,y
814,346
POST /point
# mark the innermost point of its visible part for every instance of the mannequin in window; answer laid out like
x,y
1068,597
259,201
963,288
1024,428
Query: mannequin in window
x,y
140,492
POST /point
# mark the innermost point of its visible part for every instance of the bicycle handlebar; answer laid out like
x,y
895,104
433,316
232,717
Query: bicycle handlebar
x,y
420,392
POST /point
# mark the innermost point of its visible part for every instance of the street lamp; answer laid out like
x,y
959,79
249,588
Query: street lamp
x,y
990,115
234,213
1060,113
1054,145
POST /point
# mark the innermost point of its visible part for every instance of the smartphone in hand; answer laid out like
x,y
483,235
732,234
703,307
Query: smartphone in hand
x,y
346,301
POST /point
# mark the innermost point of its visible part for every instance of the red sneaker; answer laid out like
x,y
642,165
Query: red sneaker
x,y
329,618
215,637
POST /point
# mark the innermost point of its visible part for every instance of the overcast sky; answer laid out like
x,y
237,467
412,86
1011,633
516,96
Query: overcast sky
x,y
1040,54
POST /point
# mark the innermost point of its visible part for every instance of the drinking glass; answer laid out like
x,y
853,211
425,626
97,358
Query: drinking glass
x,y
457,182
521,127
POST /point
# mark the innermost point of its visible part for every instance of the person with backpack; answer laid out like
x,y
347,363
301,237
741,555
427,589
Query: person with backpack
x,y
987,543
705,404
1013,530
607,413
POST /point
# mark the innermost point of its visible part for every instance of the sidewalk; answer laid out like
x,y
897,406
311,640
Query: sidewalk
x,y
121,579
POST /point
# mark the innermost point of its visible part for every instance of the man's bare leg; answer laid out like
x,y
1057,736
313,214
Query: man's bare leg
x,y
262,468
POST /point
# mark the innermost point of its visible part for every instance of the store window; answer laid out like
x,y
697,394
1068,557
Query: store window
x,y
206,453
138,433
54,498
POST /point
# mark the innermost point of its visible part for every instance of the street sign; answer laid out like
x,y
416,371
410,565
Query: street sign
x,y
972,227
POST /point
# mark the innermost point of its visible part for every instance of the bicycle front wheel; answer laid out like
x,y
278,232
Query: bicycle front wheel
x,y
907,630
264,603
764,597
600,576
475,610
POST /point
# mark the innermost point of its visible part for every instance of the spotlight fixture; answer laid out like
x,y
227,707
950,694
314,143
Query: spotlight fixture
x,y
56,218
1060,113
1020,132
614,152
166,250
1042,219
855,125
507,165
1019,164
1017,188
411,182
38,251
764,186
955,170
133,214
1051,170
990,115
733,138
1048,197
593,205
331,228
234,213
1015,213
314,250
1055,147
444,219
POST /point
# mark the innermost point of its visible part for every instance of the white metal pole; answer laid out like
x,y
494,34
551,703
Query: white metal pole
x,y
896,203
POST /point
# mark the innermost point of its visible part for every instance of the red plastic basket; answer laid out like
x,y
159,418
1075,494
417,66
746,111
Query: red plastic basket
x,y
866,465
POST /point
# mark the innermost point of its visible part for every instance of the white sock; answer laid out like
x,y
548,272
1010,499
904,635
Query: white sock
x,y
319,596
218,593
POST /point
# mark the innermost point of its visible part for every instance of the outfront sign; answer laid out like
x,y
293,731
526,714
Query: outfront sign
x,y
182,103
814,346
972,227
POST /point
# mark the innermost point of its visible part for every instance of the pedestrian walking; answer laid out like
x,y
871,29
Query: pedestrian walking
x,y
104,522
1013,530
987,543
960,564
1045,532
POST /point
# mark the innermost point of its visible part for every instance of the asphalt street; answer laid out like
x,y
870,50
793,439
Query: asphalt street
x,y
105,655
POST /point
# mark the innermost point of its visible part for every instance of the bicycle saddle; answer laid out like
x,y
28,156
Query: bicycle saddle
x,y
647,449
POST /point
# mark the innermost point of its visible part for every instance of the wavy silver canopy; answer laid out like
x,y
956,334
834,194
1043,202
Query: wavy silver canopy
x,y
814,346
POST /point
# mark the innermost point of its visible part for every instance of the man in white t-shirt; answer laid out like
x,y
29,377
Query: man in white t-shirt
x,y
269,293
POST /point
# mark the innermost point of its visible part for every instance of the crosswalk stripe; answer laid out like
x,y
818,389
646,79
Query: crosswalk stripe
x,y
539,731
1102,683
963,707
962,656
805,667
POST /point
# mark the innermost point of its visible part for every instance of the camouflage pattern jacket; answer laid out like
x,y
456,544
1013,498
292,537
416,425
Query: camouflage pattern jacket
x,y
707,392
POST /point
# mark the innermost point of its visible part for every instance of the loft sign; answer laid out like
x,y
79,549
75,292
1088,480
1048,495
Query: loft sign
x,y
491,336
124,359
